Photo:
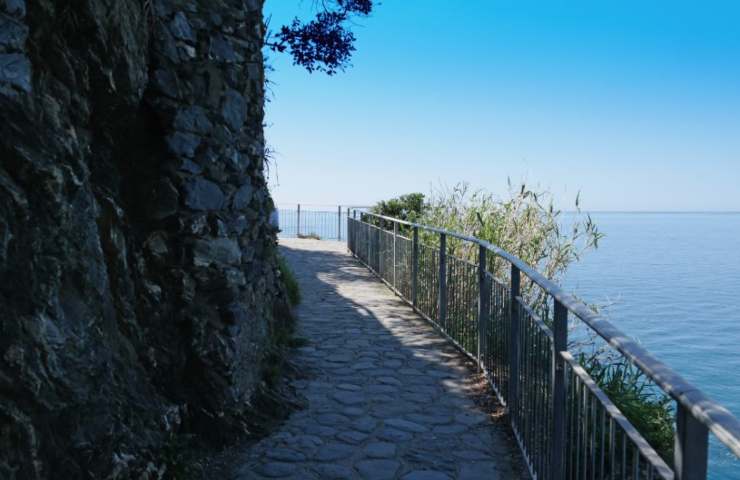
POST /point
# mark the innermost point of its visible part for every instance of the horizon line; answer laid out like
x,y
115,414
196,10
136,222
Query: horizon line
x,y
683,212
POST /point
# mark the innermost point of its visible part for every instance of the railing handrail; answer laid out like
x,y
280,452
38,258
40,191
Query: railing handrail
x,y
289,206
720,421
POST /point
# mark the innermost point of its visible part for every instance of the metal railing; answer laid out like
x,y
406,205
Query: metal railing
x,y
325,222
565,425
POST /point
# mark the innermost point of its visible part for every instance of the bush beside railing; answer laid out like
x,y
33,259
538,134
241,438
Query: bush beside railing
x,y
565,424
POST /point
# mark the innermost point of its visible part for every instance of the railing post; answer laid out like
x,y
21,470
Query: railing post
x,y
691,444
442,308
395,234
339,223
559,392
415,267
367,243
298,222
349,233
483,300
514,343
377,247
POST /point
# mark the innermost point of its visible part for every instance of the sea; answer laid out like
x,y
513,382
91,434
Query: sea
x,y
672,282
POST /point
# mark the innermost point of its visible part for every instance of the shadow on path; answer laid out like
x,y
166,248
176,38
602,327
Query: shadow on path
x,y
388,397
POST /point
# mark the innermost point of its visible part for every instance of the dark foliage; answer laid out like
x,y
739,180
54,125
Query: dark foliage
x,y
324,44
406,207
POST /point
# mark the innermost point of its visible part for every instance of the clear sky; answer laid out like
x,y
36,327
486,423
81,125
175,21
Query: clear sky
x,y
634,103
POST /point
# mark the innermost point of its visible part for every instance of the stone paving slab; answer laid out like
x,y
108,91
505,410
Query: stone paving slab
x,y
388,397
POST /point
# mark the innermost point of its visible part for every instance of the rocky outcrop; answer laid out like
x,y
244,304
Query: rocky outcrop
x,y
137,262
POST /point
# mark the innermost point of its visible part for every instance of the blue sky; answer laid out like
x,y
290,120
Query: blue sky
x,y
635,104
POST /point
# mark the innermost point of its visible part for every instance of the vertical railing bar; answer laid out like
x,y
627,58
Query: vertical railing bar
x,y
535,396
635,462
525,356
577,438
339,223
349,233
473,297
529,339
540,394
442,296
545,402
584,421
523,373
369,246
569,422
531,385
560,344
624,455
612,449
691,446
524,387
471,309
573,381
463,335
460,318
592,418
395,241
465,309
377,247
450,324
482,301
298,222
492,368
602,472
514,342
450,316
456,291
351,238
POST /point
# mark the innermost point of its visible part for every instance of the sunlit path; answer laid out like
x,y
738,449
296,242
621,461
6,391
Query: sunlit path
x,y
388,397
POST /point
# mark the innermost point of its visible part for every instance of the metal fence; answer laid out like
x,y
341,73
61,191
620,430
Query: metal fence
x,y
325,222
566,426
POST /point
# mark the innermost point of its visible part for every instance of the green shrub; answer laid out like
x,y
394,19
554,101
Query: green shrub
x,y
290,282
645,405
407,207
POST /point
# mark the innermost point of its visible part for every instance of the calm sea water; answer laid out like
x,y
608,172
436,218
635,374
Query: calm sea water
x,y
673,282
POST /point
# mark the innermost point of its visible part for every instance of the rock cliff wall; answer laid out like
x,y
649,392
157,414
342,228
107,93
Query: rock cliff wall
x,y
137,268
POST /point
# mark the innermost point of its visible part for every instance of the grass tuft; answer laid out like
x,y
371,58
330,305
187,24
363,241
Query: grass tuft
x,y
309,236
638,398
291,284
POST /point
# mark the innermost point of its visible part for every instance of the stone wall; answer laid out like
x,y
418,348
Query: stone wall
x,y
136,258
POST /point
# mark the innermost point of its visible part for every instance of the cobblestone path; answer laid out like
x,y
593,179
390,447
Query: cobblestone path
x,y
388,397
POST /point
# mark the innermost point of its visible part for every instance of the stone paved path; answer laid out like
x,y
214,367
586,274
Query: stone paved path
x,y
388,397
